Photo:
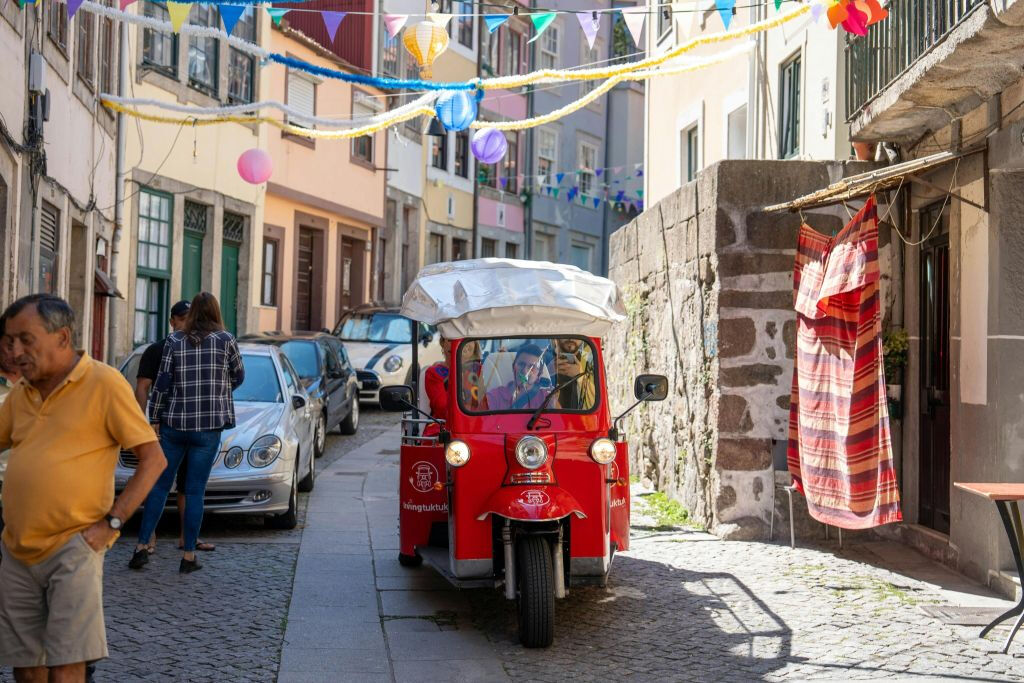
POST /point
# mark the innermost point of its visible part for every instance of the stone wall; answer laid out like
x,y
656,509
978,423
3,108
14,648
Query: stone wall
x,y
708,282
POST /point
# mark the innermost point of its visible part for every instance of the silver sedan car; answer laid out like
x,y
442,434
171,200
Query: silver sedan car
x,y
267,458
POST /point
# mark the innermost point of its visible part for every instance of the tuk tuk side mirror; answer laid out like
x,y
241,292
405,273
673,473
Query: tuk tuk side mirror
x,y
650,388
396,399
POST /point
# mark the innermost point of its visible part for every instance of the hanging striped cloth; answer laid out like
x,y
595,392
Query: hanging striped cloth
x,y
840,452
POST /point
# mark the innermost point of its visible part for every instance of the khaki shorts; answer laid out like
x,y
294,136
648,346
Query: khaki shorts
x,y
51,613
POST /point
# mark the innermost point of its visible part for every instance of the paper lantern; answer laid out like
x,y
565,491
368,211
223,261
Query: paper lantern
x,y
425,42
456,109
255,166
489,145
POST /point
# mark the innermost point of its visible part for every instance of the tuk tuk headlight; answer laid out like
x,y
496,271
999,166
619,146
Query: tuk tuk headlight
x,y
603,451
393,363
457,453
531,452
264,450
233,458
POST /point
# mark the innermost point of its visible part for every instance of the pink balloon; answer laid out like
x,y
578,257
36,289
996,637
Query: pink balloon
x,y
255,166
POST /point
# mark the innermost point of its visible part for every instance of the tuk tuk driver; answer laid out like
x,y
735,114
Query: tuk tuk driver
x,y
572,358
526,390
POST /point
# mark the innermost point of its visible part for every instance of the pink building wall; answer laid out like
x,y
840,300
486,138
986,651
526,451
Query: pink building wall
x,y
488,214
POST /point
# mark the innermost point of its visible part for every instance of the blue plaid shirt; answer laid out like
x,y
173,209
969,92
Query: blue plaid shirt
x,y
192,392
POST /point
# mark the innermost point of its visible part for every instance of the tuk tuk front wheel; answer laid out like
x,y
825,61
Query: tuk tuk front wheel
x,y
535,600
410,560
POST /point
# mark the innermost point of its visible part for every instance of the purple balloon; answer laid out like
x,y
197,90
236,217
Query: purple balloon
x,y
255,166
489,145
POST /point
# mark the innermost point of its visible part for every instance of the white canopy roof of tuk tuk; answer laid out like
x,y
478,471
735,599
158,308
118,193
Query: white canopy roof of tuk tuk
x,y
496,297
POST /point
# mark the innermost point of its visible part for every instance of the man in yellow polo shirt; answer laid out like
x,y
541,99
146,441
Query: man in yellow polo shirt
x,y
65,422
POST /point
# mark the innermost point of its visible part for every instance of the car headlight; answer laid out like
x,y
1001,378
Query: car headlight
x,y
531,452
233,458
393,363
603,451
457,453
264,450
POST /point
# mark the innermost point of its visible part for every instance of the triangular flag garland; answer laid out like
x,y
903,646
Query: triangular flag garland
x,y
230,14
559,177
493,21
394,23
332,20
778,5
634,18
597,202
124,4
541,22
73,6
178,12
590,23
440,19
276,14
725,10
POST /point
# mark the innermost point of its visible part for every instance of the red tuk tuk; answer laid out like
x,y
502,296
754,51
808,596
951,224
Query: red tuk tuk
x,y
525,484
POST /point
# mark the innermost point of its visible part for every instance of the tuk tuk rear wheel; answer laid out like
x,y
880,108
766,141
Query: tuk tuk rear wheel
x,y
410,560
535,597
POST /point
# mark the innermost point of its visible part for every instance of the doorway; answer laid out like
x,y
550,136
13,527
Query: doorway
x,y
935,399
309,279
351,286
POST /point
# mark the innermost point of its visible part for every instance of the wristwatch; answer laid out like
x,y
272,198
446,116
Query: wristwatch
x,y
115,522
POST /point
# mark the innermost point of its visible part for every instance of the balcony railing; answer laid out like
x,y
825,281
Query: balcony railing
x,y
912,28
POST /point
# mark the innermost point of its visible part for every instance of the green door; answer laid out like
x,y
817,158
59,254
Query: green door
x,y
192,266
229,286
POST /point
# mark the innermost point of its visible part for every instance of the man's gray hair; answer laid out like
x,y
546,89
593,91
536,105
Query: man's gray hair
x,y
56,313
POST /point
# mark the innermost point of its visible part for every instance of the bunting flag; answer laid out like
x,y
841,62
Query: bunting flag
x,y
555,191
559,177
573,192
597,202
778,5
639,205
178,12
599,172
504,181
125,3
639,173
618,169
331,22
590,24
276,14
725,10
73,6
634,18
229,14
493,21
541,178
394,23
640,193
440,19
620,195
541,21
817,9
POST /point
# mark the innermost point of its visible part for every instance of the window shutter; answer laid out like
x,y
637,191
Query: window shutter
x,y
48,228
301,94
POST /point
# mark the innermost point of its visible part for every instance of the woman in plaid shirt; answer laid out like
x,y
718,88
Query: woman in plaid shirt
x,y
190,404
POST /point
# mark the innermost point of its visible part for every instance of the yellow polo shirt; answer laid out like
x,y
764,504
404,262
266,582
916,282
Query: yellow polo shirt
x,y
60,475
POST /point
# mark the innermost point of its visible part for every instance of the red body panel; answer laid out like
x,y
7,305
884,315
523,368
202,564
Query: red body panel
x,y
531,504
618,496
421,502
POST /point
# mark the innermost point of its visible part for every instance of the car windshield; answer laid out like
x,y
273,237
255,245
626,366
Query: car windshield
x,y
302,354
261,384
516,374
376,327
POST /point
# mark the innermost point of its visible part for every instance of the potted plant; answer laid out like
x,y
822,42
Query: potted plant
x,y
895,345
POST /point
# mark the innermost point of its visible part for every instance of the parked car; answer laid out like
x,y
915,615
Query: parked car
x,y
327,375
379,344
267,458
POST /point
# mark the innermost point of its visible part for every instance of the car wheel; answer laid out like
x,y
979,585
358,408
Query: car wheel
x,y
290,518
351,422
306,484
320,436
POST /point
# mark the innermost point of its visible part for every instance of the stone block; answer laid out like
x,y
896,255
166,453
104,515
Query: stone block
x,y
733,415
622,244
736,337
706,270
750,375
686,204
789,338
736,298
675,240
745,455
746,263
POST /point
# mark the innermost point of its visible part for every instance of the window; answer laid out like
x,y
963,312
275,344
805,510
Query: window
x,y
511,250
736,130
390,53
590,57
49,240
301,97
512,53
488,248
586,161
547,152
439,151
510,164
789,109
664,22
462,154
107,60
153,274
690,152
487,175
203,52
544,247
451,205
159,48
268,296
435,248
464,23
549,47
242,66
491,52
85,46
581,256
362,147
459,250
57,25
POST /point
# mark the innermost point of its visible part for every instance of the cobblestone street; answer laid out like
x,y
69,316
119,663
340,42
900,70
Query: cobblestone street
x,y
329,602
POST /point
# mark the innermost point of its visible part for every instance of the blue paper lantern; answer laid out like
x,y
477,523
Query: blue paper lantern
x,y
456,109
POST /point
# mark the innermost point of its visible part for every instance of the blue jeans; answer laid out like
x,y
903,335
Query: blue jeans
x,y
198,450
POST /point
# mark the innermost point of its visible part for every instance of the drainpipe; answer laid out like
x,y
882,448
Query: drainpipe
x,y
530,161
607,162
114,318
475,250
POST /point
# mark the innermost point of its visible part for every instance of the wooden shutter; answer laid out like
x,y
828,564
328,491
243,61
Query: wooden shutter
x,y
301,94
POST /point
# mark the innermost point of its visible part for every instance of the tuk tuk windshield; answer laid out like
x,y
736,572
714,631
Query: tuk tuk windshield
x,y
515,374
